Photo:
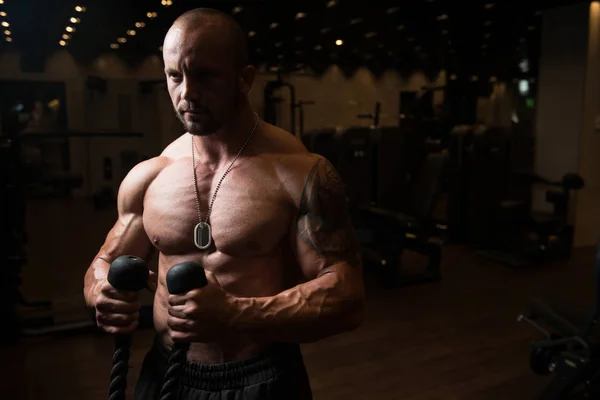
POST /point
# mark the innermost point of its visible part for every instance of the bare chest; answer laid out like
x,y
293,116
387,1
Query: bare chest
x,y
249,215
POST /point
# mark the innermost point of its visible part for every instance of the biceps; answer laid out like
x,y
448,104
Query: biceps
x,y
127,236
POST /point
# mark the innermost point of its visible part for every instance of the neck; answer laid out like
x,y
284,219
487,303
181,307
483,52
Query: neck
x,y
212,150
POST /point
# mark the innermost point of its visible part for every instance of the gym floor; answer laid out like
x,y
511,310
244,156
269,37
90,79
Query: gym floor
x,y
457,339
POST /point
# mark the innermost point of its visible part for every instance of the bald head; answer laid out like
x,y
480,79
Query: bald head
x,y
207,71
217,24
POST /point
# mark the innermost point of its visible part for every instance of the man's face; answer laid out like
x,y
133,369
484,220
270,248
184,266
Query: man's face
x,y
203,82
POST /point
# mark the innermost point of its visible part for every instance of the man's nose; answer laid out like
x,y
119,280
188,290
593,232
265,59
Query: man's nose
x,y
190,91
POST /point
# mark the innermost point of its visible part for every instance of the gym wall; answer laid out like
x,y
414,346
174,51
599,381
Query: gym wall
x,y
568,110
339,100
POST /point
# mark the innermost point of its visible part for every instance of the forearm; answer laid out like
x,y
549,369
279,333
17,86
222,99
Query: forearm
x,y
95,274
311,311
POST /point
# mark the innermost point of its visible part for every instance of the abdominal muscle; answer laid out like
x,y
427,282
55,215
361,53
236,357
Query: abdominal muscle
x,y
257,279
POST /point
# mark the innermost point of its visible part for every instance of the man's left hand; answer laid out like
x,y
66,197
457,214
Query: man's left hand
x,y
201,315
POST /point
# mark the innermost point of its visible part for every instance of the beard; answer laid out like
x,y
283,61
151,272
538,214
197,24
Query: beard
x,y
201,123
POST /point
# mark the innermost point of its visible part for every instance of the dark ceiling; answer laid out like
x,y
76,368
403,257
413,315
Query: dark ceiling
x,y
466,37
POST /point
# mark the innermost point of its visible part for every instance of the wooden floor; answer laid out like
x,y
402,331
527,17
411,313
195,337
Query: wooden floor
x,y
457,339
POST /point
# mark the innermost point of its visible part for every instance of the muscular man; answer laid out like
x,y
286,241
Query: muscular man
x,y
281,260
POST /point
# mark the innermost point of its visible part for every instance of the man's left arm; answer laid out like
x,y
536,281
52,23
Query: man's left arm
x,y
332,300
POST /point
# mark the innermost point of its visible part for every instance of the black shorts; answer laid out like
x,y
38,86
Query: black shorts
x,y
278,374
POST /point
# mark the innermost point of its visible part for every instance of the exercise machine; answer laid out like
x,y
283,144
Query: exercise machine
x,y
524,237
272,100
569,349
392,205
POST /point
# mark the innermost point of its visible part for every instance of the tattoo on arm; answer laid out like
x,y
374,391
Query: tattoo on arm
x,y
324,222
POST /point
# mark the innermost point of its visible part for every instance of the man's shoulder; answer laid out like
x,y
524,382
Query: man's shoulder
x,y
296,167
177,147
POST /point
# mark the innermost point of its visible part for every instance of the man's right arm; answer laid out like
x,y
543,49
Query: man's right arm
x,y
127,235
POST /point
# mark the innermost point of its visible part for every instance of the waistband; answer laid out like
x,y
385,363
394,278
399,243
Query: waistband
x,y
235,374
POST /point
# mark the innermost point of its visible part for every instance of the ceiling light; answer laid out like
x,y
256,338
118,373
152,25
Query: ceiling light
x,y
70,29
7,32
166,3
370,35
442,17
8,38
151,15
356,21
65,36
339,42
121,40
474,78
62,43
2,14
114,46
330,4
79,9
489,5
251,33
74,20
140,24
5,24
238,9
392,10
318,47
273,25
300,15
1,1
131,32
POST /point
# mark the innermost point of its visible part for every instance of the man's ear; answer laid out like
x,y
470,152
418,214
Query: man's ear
x,y
247,79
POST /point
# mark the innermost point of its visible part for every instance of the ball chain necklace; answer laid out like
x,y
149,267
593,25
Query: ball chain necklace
x,y
203,230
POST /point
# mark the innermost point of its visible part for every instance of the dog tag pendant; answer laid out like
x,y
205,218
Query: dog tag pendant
x,y
202,236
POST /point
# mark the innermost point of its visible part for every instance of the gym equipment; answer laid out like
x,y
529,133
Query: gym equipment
x,y
126,273
569,350
25,177
384,234
270,102
322,142
181,278
355,163
525,237
375,116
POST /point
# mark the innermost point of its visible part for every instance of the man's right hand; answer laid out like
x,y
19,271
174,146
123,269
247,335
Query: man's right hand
x,y
117,312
